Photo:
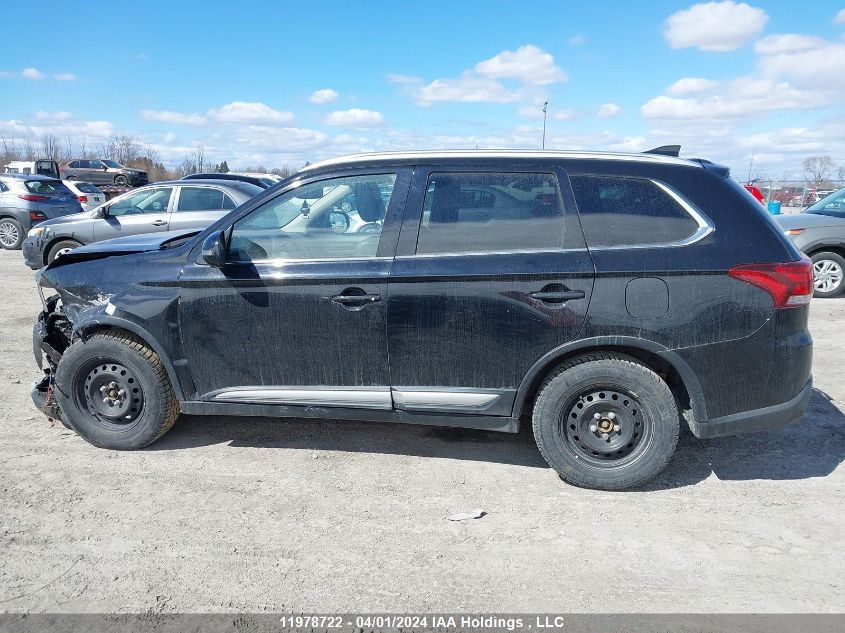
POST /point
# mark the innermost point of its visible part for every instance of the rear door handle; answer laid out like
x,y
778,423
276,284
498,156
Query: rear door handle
x,y
557,296
355,298
159,222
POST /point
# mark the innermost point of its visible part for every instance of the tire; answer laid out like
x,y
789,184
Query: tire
x,y
11,234
612,452
829,273
121,181
104,365
58,248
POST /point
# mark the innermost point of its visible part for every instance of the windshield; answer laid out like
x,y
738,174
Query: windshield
x,y
833,205
113,164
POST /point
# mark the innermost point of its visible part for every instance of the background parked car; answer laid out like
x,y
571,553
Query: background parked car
x,y
754,191
28,200
33,167
253,180
170,205
820,232
97,171
88,195
269,179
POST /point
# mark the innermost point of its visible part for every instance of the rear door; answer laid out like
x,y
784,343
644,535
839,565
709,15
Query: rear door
x,y
491,274
144,210
198,207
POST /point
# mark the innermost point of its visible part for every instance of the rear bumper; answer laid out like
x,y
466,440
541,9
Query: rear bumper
x,y
755,420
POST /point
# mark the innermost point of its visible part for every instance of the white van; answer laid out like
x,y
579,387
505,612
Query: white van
x,y
30,167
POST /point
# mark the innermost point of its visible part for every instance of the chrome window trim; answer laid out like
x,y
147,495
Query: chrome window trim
x,y
705,225
315,260
519,251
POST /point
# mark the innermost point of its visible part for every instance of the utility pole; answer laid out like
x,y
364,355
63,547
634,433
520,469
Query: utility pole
x,y
544,108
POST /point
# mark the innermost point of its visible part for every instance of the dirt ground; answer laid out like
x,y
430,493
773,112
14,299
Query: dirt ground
x,y
228,514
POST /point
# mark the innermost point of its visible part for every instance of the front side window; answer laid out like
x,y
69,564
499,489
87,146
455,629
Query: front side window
x,y
203,199
143,201
110,163
92,164
620,211
329,219
477,212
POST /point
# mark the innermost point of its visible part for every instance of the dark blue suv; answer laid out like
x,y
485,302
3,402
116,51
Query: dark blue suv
x,y
607,298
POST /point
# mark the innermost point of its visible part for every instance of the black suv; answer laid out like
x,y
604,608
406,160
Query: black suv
x,y
608,298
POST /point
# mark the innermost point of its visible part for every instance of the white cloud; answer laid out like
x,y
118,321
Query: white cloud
x,y
577,40
608,111
250,112
806,61
839,18
714,26
395,78
787,43
529,64
355,118
467,88
167,116
169,137
566,115
32,73
64,76
41,115
690,85
326,95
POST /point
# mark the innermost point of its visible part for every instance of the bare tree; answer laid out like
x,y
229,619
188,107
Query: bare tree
x,y
818,169
50,147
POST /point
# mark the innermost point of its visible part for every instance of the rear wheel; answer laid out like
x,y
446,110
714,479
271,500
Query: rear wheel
x,y
121,181
114,391
60,248
828,274
11,234
605,421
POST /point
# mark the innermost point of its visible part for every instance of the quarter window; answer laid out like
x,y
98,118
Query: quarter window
x,y
329,219
619,211
490,212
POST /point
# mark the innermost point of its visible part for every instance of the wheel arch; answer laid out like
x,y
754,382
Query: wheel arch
x,y
681,379
45,252
102,323
821,247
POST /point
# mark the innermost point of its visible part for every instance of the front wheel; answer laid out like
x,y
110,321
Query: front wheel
x,y
11,234
61,248
606,421
828,274
114,391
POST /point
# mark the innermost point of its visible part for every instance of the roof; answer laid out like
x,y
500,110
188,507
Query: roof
x,y
200,182
28,176
487,154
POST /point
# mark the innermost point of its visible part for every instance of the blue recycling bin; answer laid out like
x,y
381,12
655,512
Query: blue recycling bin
x,y
774,207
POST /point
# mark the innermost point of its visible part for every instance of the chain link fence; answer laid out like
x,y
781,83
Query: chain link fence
x,y
795,195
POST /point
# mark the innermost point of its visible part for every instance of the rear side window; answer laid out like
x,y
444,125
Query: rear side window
x,y
46,186
87,187
619,211
203,199
478,212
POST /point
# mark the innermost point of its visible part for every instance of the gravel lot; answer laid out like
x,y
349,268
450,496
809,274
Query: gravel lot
x,y
229,514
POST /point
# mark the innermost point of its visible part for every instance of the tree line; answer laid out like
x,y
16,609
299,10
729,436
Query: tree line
x,y
126,150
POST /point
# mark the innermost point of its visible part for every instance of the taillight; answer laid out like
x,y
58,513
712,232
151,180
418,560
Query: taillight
x,y
790,284
82,198
32,197
36,216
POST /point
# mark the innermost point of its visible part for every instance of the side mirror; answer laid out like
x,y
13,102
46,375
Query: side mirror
x,y
214,249
103,211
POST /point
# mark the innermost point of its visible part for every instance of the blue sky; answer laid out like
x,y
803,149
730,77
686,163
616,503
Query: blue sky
x,y
725,79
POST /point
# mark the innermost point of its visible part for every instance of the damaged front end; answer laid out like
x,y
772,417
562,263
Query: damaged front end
x,y
51,336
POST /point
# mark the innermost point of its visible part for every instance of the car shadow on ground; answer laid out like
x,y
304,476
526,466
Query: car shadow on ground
x,y
812,447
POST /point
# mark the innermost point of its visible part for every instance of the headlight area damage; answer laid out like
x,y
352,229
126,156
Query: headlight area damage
x,y
54,332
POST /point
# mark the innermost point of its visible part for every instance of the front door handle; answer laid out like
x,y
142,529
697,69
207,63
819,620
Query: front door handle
x,y
557,296
355,298
159,222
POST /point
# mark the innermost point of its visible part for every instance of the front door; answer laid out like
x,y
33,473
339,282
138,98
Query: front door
x,y
144,210
296,316
490,275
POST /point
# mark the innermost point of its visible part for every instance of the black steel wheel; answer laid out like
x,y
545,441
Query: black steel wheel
x,y
114,391
606,421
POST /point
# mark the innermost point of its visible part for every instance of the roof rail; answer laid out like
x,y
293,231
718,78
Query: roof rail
x,y
665,150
